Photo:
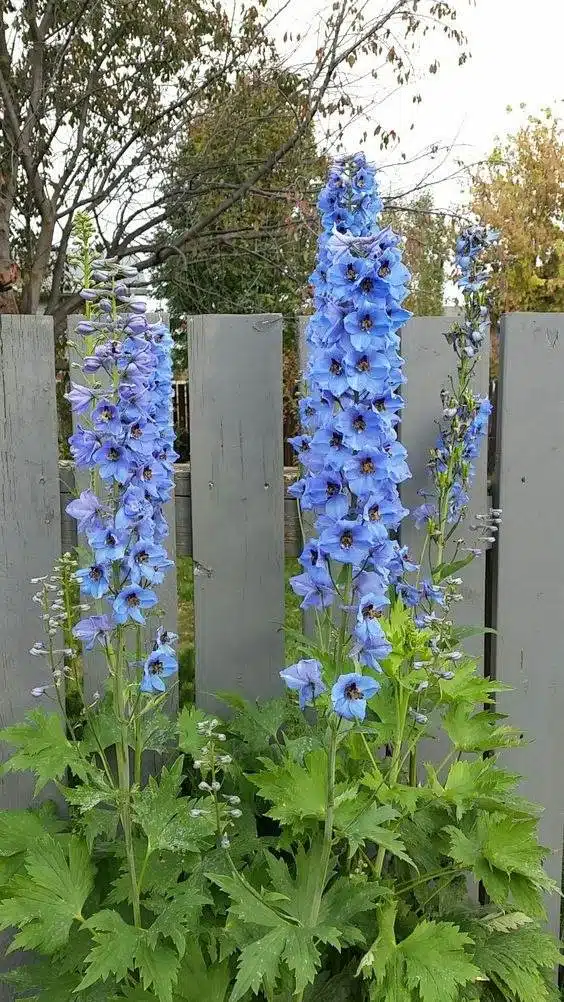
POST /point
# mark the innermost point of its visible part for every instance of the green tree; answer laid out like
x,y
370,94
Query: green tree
x,y
94,96
427,243
258,260
520,192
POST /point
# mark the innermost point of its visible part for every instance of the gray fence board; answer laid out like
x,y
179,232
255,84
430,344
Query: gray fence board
x,y
429,361
237,499
30,539
95,668
530,557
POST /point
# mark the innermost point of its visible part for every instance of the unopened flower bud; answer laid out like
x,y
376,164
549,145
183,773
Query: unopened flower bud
x,y
236,813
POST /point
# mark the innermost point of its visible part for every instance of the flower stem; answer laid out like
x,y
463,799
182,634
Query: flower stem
x,y
124,779
328,826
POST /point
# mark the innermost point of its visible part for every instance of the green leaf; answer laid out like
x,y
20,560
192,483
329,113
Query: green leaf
x,y
50,896
296,792
259,724
114,950
436,961
246,903
258,962
468,686
447,569
521,962
479,731
43,748
506,921
158,968
165,817
302,957
98,822
201,978
382,953
190,739
20,829
360,824
177,914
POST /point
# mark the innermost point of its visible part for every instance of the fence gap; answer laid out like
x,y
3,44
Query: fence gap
x,y
237,504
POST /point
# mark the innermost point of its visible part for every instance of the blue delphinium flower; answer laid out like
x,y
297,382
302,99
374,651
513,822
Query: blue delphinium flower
x,y
349,695
352,460
160,664
126,441
304,678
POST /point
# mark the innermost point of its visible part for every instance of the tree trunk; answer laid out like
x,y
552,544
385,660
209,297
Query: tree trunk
x,y
9,274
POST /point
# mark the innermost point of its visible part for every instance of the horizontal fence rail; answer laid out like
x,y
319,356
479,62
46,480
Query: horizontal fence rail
x,y
233,515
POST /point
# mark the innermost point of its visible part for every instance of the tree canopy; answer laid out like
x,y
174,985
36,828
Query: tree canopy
x,y
520,192
95,97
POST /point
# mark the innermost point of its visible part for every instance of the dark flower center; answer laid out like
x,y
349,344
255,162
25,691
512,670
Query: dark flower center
x,y
351,273
156,667
352,691
384,271
136,431
367,466
113,454
359,424
147,473
335,368
380,405
310,411
106,414
332,490
366,323
366,284
363,365
374,513
346,539
336,439
96,573
360,182
110,539
133,600
142,557
371,612
304,445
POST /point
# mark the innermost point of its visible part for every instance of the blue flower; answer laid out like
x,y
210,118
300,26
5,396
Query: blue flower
x,y
106,417
346,541
366,470
367,371
87,511
349,695
114,461
368,630
93,580
305,678
92,629
107,544
79,397
130,602
84,444
160,664
317,592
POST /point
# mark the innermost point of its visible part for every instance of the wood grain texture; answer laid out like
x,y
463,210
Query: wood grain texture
x,y
530,558
237,504
30,533
429,361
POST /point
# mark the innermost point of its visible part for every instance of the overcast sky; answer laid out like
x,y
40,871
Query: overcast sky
x,y
516,48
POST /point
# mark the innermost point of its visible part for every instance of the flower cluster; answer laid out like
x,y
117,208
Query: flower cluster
x,y
352,459
465,415
213,762
124,438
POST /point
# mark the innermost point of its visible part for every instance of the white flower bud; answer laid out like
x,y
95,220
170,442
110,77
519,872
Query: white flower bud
x,y
225,843
204,786
235,813
215,786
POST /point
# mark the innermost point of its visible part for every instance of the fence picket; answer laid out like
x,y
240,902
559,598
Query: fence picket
x,y
530,557
237,503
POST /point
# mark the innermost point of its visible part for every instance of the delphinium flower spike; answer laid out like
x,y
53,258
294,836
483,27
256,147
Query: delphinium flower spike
x,y
352,459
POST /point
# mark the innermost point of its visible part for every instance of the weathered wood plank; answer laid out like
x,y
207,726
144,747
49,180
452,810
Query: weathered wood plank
x,y
30,537
429,361
237,503
530,558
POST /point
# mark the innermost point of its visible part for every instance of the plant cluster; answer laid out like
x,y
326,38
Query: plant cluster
x,y
303,847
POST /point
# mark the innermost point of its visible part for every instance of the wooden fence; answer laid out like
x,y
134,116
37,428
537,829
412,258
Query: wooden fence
x,y
229,514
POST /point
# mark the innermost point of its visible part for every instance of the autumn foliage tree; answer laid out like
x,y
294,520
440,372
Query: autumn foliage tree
x,y
520,192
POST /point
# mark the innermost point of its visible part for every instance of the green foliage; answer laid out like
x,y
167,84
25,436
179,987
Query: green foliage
x,y
42,747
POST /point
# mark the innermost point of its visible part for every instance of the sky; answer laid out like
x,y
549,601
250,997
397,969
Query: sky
x,y
516,49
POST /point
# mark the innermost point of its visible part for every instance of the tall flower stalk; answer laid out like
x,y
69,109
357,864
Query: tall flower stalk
x,y
464,419
124,440
352,459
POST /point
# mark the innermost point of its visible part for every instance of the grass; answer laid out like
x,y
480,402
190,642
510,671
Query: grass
x,y
185,588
